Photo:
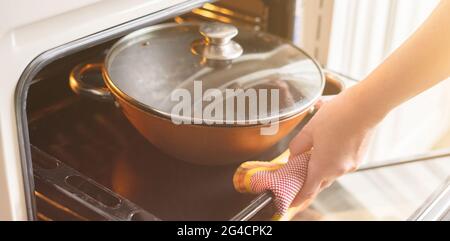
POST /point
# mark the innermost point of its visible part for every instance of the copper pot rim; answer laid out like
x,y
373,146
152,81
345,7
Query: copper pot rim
x,y
149,109
153,114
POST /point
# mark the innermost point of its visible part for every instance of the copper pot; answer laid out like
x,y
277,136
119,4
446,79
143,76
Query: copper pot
x,y
140,63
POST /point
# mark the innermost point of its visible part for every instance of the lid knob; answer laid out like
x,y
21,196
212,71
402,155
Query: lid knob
x,y
218,44
218,33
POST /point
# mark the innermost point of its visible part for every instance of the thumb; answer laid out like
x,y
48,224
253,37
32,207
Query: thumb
x,y
310,188
301,143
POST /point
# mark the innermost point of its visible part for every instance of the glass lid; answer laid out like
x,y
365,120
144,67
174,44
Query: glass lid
x,y
213,72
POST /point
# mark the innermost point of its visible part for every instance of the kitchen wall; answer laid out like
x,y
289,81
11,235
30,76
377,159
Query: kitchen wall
x,y
363,33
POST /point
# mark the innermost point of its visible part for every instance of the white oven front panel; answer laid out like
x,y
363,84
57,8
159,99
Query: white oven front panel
x,y
27,29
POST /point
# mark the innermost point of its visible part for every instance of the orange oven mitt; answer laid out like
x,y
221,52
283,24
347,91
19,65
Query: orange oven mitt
x,y
283,176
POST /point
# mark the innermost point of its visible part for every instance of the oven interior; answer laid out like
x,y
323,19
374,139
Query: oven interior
x,y
89,163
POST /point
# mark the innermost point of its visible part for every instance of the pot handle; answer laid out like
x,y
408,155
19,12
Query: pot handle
x,y
337,85
82,86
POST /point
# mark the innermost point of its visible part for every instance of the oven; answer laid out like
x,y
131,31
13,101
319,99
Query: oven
x,y
80,159
83,171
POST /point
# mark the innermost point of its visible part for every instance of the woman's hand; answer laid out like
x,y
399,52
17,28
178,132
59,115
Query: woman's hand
x,y
338,136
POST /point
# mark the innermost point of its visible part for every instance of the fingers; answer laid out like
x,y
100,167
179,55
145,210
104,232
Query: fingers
x,y
309,190
316,181
301,143
305,197
319,104
323,100
325,184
